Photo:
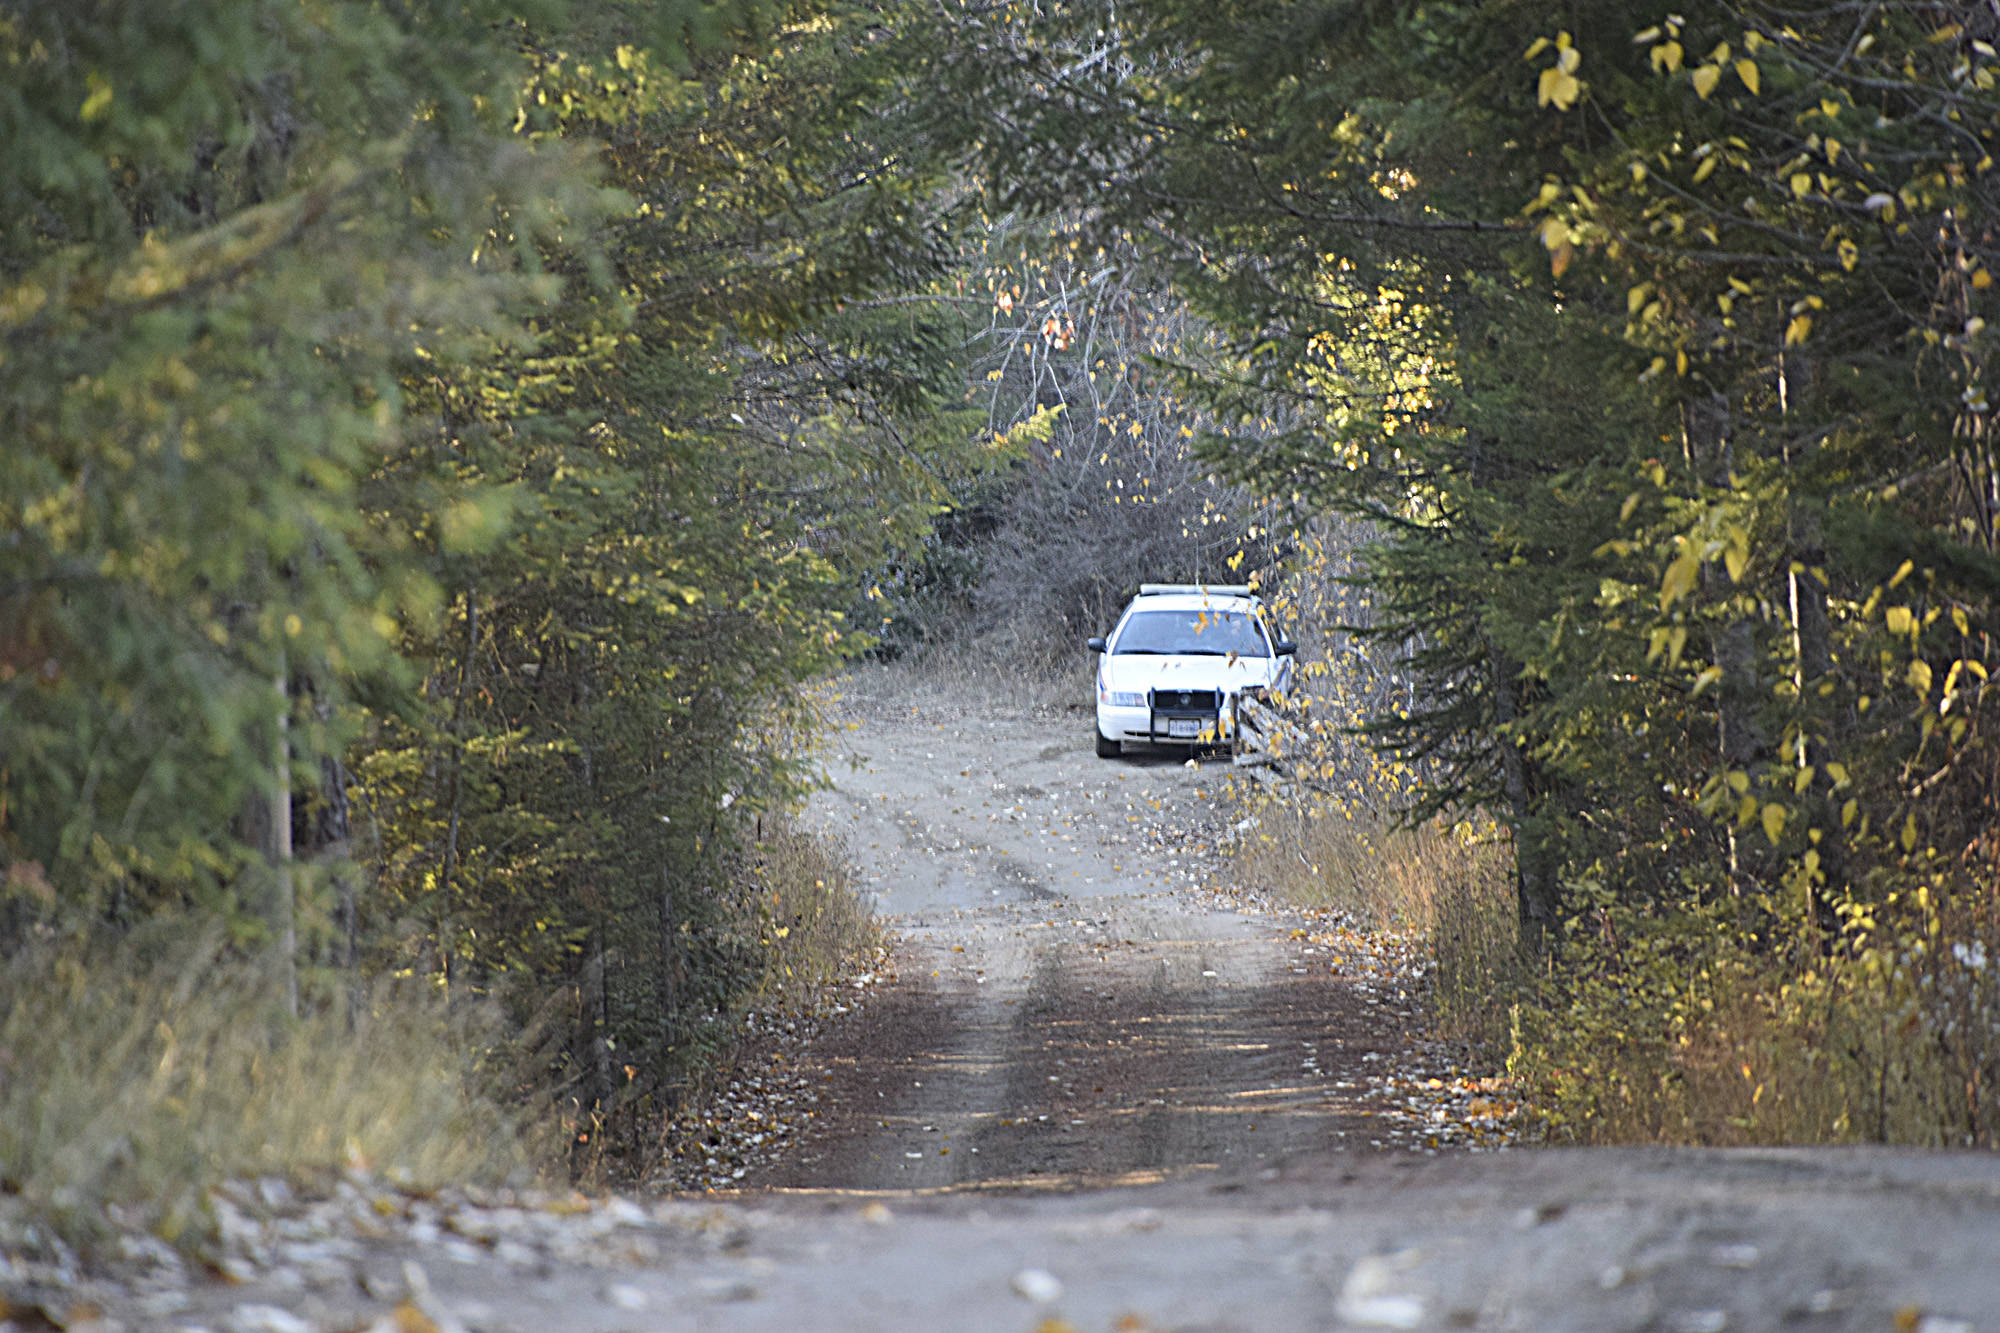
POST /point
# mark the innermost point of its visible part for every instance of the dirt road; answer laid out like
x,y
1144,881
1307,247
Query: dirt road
x,y
1101,1098
1074,1010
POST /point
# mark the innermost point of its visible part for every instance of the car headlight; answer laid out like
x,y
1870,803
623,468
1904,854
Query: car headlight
x,y
1123,698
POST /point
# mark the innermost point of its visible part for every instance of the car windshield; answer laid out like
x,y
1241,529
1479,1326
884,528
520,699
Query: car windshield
x,y
1192,634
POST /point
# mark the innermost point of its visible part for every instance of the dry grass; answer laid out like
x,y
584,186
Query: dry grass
x,y
978,679
1449,885
138,1073
811,922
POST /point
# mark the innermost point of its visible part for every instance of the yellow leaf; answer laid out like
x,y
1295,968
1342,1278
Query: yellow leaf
x,y
1902,572
1570,58
1909,838
1920,675
1838,772
1705,170
1850,253
1900,619
1746,811
1833,150
1801,184
1558,87
1739,781
1535,48
99,100
1705,79
1559,261
407,1318
1735,559
1960,622
1708,677
1681,362
1746,70
1981,279
1798,330
1802,780
1636,297
1678,581
1667,56
1632,503
1774,821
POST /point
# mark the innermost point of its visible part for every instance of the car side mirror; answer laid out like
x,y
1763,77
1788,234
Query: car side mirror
x,y
1095,645
1285,647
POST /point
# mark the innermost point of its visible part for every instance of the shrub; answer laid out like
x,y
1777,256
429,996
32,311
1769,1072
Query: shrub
x,y
1690,1027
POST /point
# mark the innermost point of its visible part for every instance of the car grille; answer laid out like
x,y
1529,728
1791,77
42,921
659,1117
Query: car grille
x,y
1202,700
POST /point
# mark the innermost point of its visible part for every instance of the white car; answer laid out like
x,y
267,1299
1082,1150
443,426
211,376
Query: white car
x,y
1170,672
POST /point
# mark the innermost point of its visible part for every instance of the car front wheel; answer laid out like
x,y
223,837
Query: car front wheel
x,y
1106,749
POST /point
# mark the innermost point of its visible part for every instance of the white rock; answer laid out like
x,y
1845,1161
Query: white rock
x,y
1038,1285
626,1296
267,1319
626,1213
1369,1296
1734,1256
1698,1321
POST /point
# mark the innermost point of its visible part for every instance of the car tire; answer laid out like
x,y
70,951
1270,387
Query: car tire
x,y
1106,749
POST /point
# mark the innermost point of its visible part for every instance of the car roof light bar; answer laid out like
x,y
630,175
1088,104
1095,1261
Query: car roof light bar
x,y
1212,589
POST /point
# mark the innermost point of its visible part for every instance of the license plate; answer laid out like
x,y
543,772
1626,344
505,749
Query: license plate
x,y
1190,727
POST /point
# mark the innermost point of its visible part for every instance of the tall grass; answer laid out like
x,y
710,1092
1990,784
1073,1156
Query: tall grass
x,y
1447,884
812,925
137,1073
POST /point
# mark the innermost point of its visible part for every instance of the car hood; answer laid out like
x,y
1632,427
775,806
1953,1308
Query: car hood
x,y
1139,672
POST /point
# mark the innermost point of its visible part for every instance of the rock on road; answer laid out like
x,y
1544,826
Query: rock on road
x,y
1100,1097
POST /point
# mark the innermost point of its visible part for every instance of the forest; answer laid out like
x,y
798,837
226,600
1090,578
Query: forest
x,y
448,447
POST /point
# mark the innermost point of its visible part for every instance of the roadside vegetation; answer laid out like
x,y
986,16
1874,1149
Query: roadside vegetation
x,y
442,444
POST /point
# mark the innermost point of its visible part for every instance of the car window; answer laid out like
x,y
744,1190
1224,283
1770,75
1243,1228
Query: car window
x,y
1191,634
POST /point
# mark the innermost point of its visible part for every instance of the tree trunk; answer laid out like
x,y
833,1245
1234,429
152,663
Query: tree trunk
x,y
333,840
594,1024
277,829
1537,897
670,953
456,796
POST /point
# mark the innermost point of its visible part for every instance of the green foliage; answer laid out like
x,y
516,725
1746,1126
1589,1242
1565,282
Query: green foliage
x,y
214,280
441,446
